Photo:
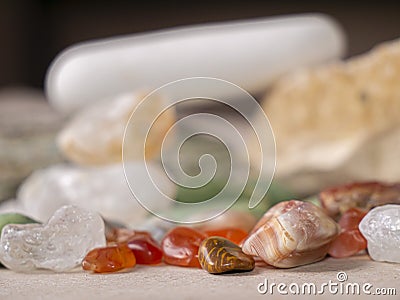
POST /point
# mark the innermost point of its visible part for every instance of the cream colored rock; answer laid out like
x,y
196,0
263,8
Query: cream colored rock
x,y
338,122
94,136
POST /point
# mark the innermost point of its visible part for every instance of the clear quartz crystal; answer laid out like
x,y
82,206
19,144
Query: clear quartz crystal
x,y
59,245
381,228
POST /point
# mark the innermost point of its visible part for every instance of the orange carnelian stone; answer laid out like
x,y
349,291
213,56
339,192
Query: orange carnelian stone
x,y
146,250
350,241
109,259
235,235
181,247
351,218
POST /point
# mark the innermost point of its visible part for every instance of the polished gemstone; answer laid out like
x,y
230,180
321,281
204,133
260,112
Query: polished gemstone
x,y
218,255
181,246
350,240
146,250
109,259
292,233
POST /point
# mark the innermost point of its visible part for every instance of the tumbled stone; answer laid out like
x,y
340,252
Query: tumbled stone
x,y
350,240
102,189
109,259
181,246
58,245
292,233
95,135
218,255
146,250
381,228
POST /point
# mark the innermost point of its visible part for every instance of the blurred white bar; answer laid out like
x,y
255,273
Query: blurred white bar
x,y
250,54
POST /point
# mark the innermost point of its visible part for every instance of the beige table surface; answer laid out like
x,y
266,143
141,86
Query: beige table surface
x,y
168,282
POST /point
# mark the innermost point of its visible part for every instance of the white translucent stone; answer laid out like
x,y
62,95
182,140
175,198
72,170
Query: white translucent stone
x,y
381,228
102,189
59,245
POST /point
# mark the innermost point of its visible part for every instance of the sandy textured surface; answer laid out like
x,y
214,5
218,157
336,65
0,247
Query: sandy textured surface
x,y
167,282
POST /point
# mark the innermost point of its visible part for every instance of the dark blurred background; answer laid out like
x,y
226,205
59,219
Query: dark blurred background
x,y
33,32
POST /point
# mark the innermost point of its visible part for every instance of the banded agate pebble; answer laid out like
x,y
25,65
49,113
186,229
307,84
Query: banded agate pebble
x,y
292,233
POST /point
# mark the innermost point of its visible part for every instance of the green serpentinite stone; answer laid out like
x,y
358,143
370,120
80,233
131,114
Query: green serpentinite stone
x,y
218,255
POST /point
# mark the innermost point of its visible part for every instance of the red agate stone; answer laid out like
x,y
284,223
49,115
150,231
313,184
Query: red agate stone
x,y
350,241
181,247
235,235
146,250
362,195
109,259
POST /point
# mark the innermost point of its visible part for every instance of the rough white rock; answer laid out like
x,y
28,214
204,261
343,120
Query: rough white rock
x,y
59,245
381,228
102,189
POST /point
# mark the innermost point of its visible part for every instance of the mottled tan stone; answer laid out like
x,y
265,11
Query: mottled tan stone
x,y
94,135
338,122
